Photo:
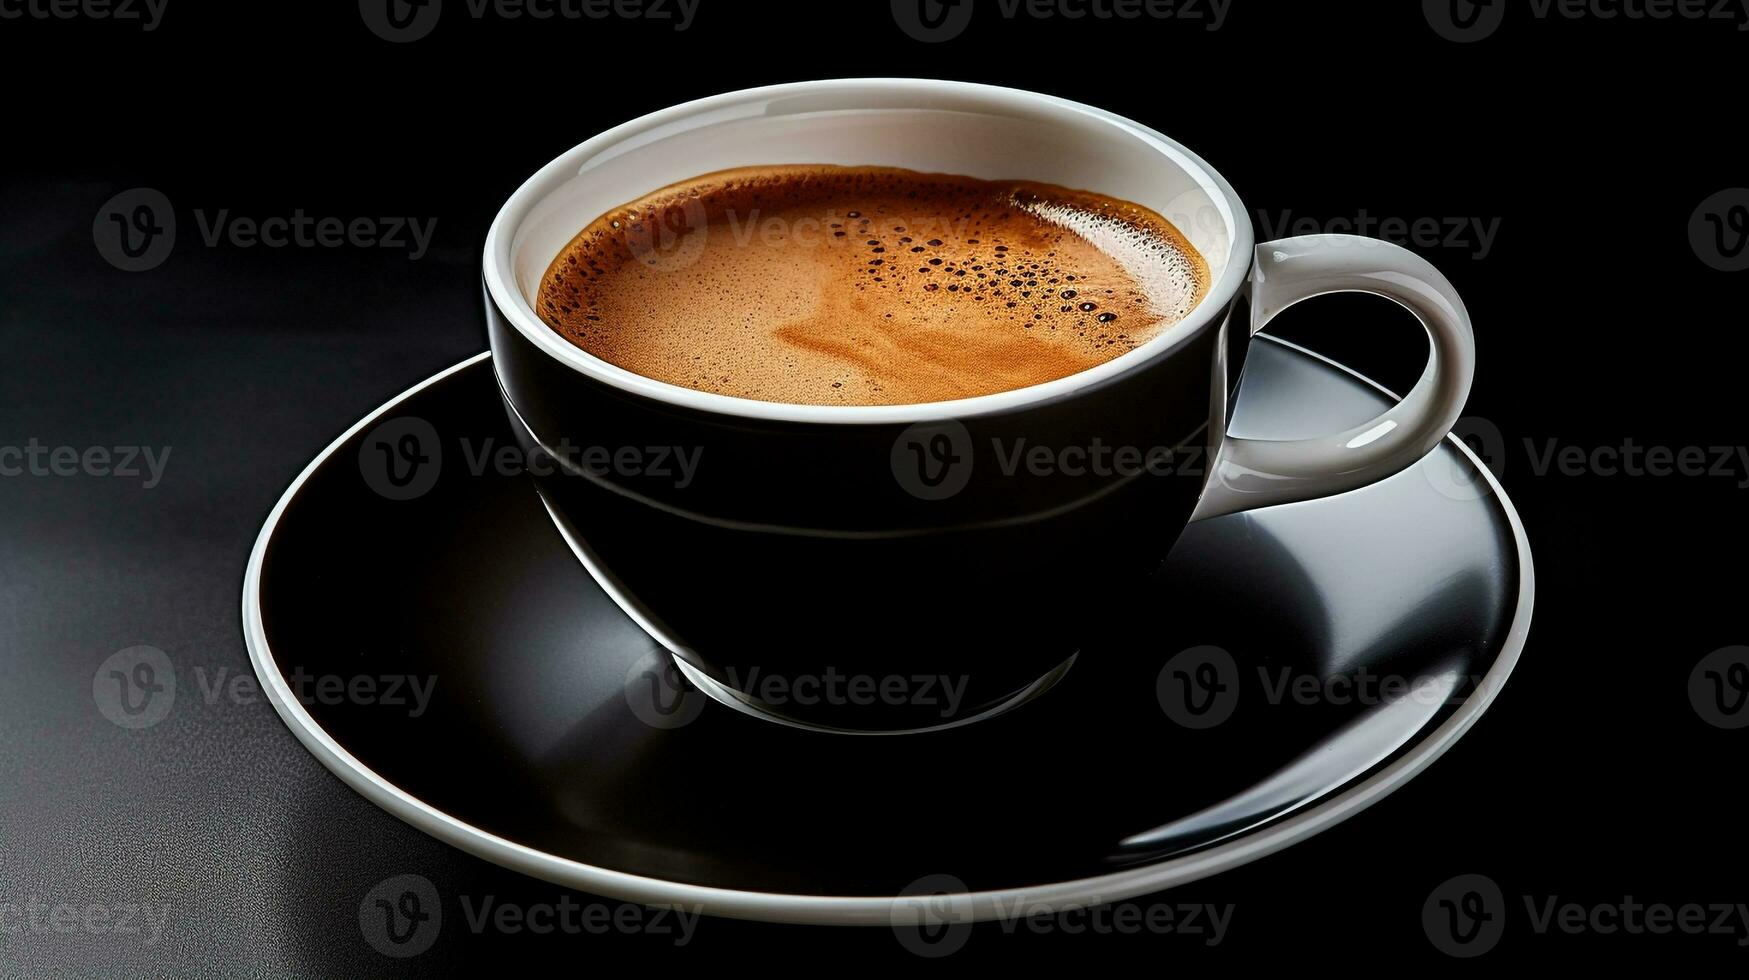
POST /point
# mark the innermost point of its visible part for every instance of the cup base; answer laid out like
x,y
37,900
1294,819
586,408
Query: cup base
x,y
749,705
990,704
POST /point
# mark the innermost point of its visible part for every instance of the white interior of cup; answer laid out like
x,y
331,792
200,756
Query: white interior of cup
x,y
943,127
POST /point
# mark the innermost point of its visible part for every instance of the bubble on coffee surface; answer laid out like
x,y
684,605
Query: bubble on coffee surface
x,y
868,285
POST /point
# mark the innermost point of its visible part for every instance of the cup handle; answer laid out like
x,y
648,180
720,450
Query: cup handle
x,y
1252,473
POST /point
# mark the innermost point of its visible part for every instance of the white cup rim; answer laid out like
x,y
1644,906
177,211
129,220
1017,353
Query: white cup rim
x,y
503,293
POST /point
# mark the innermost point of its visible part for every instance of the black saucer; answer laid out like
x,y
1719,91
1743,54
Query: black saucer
x,y
1256,699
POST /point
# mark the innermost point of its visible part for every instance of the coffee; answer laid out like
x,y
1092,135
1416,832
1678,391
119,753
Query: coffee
x,y
832,285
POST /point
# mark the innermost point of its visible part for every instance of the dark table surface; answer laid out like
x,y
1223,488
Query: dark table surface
x,y
1563,174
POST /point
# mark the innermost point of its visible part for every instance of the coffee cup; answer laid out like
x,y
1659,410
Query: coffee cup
x,y
911,567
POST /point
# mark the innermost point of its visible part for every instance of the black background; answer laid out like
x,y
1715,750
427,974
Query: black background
x,y
1590,141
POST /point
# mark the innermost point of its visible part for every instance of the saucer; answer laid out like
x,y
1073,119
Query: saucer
x,y
430,636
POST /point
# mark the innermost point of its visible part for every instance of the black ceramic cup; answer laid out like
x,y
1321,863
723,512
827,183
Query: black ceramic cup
x,y
901,568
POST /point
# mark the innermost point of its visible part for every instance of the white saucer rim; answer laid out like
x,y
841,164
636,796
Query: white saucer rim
x,y
868,910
